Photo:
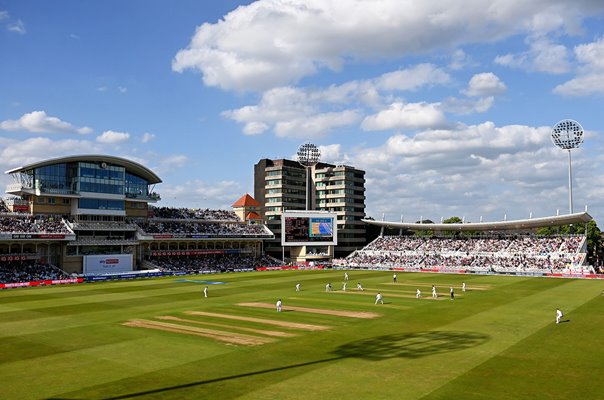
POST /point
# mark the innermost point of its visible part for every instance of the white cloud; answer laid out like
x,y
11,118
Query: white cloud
x,y
405,116
469,171
112,137
3,15
542,56
39,122
293,112
171,163
15,153
485,84
590,78
101,89
147,137
459,59
271,43
17,26
122,89
413,78
314,112
467,106
316,125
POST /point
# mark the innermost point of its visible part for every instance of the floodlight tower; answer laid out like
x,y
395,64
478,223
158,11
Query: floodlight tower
x,y
308,157
567,135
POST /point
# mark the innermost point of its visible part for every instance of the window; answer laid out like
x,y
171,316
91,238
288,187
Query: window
x,y
101,204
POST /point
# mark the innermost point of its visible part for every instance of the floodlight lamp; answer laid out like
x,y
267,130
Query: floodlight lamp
x,y
308,154
567,134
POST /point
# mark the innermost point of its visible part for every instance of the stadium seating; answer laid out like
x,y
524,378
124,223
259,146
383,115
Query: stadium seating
x,y
501,254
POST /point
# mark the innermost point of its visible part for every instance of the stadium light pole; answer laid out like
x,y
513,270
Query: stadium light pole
x,y
308,157
567,135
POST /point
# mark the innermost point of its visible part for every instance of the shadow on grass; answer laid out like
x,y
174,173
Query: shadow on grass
x,y
403,345
411,345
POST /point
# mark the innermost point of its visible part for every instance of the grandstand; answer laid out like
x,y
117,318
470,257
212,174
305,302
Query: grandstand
x,y
90,215
507,247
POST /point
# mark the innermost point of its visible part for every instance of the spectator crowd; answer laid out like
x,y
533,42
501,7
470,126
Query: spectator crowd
x,y
193,213
213,263
497,254
13,272
30,224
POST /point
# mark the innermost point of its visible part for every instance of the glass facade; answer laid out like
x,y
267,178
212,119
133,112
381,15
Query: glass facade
x,y
87,177
100,178
102,204
136,186
57,178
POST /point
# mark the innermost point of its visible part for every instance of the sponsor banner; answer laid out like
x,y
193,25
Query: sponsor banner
x,y
207,236
289,267
40,283
107,264
38,236
171,253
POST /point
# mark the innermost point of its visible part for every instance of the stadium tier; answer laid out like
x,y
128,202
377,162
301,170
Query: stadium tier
x,y
499,254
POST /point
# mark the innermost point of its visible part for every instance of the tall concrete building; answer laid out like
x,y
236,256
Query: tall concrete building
x,y
280,185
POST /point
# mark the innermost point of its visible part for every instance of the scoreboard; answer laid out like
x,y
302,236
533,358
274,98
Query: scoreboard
x,y
306,228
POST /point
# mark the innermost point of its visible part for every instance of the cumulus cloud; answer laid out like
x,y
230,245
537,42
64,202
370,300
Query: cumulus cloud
x,y
313,112
17,26
542,56
480,169
15,153
405,116
147,137
112,137
293,112
169,163
467,106
40,122
413,78
316,125
485,84
271,43
590,78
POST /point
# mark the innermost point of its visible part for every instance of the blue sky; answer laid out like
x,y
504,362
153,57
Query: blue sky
x,y
447,105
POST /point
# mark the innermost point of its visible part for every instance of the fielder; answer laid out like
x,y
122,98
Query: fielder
x,y
394,277
345,276
452,293
434,294
559,315
378,298
344,287
279,305
205,291
463,286
359,287
328,287
297,287
418,294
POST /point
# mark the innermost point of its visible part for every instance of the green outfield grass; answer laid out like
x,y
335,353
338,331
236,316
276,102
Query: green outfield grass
x,y
161,339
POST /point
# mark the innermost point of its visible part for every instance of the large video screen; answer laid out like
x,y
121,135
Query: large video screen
x,y
299,229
